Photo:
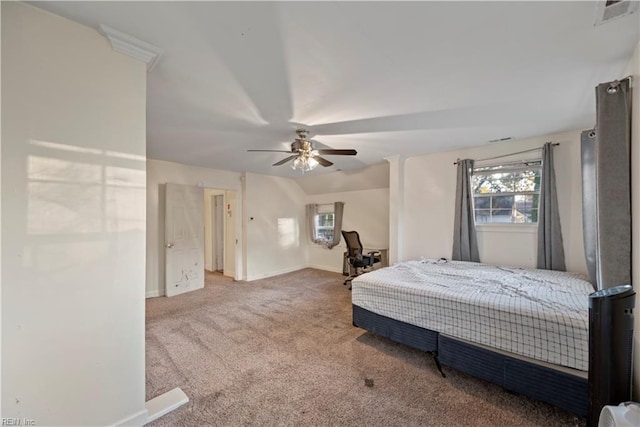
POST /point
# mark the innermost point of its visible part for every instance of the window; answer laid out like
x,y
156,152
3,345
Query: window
x,y
506,193
324,223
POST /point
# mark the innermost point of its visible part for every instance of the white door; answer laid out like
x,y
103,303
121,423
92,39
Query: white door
x,y
184,239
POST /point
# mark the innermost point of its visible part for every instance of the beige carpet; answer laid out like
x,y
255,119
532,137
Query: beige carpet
x,y
282,351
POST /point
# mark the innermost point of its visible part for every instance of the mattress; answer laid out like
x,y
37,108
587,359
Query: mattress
x,y
541,314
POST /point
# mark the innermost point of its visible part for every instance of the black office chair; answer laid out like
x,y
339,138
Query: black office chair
x,y
355,256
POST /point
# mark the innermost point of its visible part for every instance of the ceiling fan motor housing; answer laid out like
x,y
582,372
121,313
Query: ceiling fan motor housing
x,y
301,145
303,153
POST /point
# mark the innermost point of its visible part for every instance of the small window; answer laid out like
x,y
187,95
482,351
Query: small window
x,y
324,225
506,193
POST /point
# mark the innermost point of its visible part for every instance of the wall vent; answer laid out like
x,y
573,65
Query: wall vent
x,y
609,10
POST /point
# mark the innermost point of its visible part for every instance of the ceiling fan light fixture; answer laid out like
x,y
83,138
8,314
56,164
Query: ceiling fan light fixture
x,y
296,164
305,157
304,163
312,163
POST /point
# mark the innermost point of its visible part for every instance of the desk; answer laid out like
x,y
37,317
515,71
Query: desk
x,y
384,260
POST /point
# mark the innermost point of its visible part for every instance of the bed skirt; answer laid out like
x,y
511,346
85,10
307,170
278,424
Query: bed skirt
x,y
395,330
561,389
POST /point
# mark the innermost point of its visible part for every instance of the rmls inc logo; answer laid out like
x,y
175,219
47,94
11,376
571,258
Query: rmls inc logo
x,y
18,422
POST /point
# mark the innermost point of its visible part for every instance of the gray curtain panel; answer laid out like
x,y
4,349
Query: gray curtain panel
x,y
613,186
550,249
338,210
465,243
589,223
311,209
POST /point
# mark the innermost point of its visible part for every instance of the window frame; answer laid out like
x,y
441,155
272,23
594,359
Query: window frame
x,y
323,209
506,167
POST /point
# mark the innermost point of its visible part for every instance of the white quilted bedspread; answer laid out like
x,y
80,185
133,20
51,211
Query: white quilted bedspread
x,y
540,314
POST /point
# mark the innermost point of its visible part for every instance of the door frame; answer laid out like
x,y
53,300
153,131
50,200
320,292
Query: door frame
x,y
237,225
214,231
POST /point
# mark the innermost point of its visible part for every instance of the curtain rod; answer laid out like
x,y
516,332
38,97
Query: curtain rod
x,y
508,155
629,77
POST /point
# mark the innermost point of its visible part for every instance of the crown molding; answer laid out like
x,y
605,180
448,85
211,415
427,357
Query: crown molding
x,y
396,158
131,46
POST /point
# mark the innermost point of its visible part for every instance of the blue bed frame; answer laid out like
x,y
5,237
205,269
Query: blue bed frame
x,y
561,389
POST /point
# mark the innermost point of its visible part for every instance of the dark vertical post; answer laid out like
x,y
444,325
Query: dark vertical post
x,y
610,348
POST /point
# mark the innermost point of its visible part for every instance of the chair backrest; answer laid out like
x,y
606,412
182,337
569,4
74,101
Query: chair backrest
x,y
354,245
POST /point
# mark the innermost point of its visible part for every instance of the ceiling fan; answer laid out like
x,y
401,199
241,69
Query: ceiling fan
x,y
305,157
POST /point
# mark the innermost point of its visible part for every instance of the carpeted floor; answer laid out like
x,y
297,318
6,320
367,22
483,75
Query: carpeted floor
x,y
282,351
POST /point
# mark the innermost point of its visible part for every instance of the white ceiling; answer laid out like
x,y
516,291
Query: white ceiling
x,y
385,78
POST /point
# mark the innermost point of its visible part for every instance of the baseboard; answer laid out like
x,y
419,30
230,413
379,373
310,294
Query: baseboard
x,y
326,268
154,293
136,420
165,403
275,273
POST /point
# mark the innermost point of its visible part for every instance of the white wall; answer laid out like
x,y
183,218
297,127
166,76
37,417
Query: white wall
x,y
633,69
0,219
274,226
158,174
376,176
430,183
73,223
365,211
274,241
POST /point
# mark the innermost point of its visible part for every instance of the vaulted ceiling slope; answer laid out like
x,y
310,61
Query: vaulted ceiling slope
x,y
385,78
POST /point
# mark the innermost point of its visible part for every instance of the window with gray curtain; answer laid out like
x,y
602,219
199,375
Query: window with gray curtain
x,y
311,209
465,243
507,193
324,223
550,247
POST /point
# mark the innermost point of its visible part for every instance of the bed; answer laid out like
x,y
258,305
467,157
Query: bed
x,y
524,329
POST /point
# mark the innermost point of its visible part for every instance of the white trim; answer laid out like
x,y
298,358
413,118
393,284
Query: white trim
x,y
507,228
136,420
131,46
165,403
394,157
154,293
323,246
275,273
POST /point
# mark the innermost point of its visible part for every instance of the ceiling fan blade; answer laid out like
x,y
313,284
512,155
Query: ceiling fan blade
x,y
323,162
283,161
338,152
273,151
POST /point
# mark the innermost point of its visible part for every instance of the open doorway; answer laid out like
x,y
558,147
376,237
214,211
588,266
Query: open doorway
x,y
219,231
